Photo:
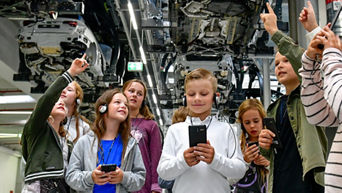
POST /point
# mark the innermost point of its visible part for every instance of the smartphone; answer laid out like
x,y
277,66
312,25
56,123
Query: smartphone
x,y
269,122
197,134
253,143
337,15
108,167
333,22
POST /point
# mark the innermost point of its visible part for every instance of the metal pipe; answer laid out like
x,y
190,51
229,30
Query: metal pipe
x,y
266,64
124,24
293,19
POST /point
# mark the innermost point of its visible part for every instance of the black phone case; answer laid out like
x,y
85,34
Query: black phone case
x,y
108,167
197,134
269,122
253,143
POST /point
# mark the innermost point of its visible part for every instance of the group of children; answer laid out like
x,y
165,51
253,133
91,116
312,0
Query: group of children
x,y
125,134
63,154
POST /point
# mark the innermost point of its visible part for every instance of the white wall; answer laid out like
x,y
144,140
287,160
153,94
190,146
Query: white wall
x,y
9,161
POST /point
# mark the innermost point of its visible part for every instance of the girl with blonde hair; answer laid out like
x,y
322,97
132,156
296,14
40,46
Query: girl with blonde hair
x,y
251,114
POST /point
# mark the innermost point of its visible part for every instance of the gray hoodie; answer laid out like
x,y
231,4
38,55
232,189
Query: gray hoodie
x,y
83,162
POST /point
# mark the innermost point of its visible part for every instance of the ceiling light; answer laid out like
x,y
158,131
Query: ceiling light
x,y
142,54
171,68
10,135
15,99
131,14
158,112
150,83
15,112
154,99
171,80
161,122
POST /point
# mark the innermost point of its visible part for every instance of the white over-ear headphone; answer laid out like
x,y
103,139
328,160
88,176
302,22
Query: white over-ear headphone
x,y
103,109
78,102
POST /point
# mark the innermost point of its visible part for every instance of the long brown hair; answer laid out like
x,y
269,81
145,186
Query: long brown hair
x,y
76,114
144,110
246,105
99,127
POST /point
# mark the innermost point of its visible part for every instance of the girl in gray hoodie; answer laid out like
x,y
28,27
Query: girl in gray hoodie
x,y
109,142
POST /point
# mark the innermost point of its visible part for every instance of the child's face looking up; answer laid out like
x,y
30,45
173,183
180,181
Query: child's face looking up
x,y
199,97
284,71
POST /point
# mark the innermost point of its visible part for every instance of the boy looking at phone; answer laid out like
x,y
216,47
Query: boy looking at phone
x,y
207,165
299,165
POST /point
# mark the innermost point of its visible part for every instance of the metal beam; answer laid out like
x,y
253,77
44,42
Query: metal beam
x,y
293,19
125,26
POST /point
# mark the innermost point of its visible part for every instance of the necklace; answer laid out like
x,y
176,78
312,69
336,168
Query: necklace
x,y
102,152
211,118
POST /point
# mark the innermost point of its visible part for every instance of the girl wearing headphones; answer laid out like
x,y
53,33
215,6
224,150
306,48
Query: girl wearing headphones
x,y
146,131
76,125
108,142
44,147
251,114
204,167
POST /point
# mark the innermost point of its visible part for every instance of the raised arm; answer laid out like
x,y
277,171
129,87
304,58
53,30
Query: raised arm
x,y
332,70
317,109
286,45
52,94
308,18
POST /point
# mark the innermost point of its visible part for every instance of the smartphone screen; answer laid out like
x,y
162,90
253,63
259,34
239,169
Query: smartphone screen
x,y
108,167
197,134
253,143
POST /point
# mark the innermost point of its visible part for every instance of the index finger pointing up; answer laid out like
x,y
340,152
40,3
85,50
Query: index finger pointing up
x,y
84,56
309,5
270,10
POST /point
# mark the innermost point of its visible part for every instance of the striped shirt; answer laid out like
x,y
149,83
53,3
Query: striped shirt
x,y
321,83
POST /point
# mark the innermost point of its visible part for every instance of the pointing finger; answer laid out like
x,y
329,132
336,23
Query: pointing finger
x,y
84,56
309,5
270,10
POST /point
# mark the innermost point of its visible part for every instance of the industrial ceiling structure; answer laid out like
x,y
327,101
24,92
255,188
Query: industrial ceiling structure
x,y
157,41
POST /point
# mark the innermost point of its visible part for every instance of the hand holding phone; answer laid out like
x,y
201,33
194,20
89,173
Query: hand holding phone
x,y
99,177
251,152
190,157
116,177
269,122
332,25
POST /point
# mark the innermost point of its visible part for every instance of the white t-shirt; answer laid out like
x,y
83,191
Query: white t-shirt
x,y
227,163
